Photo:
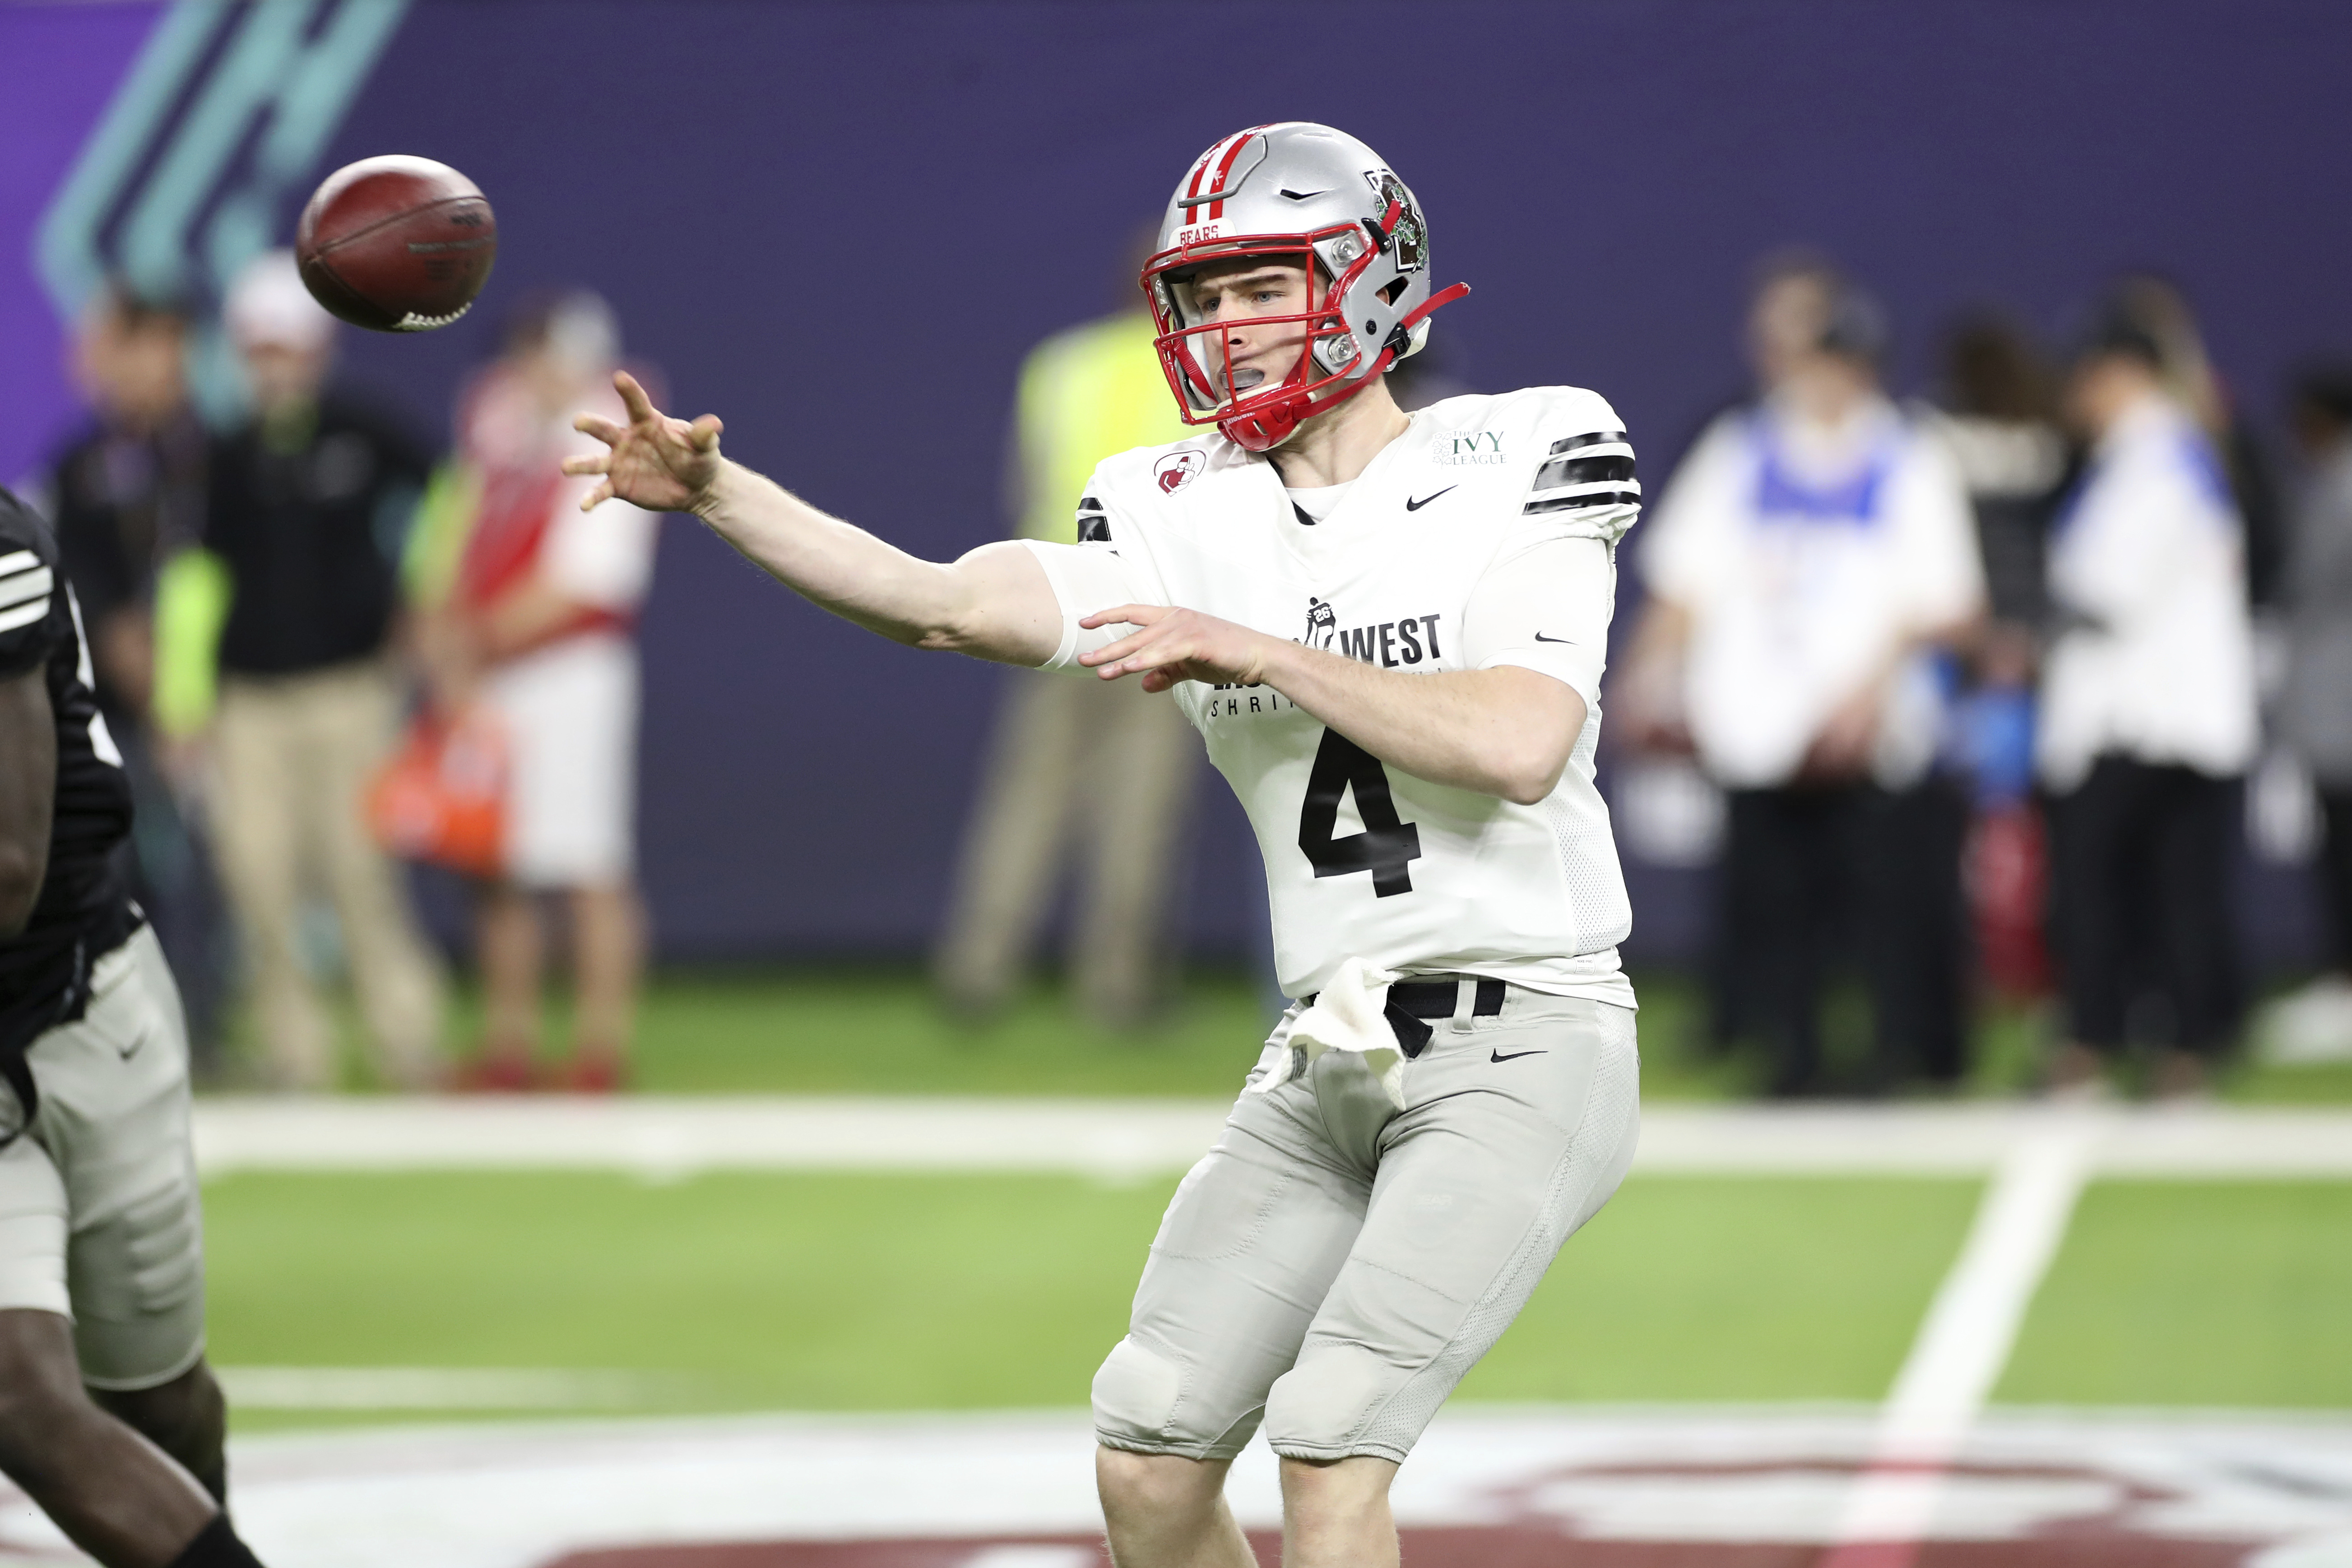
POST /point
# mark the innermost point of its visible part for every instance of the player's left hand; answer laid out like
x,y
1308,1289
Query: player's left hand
x,y
1171,646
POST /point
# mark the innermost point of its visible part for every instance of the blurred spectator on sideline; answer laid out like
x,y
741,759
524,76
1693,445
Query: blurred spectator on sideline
x,y
534,607
1101,770
126,494
2163,312
1998,417
1804,560
2147,717
2314,710
274,649
1999,420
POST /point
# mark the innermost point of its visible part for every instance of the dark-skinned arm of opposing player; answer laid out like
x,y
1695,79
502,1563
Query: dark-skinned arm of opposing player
x,y
28,784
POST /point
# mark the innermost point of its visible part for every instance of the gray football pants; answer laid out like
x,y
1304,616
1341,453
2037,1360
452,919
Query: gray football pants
x,y
1335,1265
99,1218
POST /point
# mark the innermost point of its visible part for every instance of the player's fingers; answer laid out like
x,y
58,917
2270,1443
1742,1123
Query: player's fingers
x,y
705,432
1110,653
596,497
592,463
1133,615
633,396
1155,654
604,429
1142,632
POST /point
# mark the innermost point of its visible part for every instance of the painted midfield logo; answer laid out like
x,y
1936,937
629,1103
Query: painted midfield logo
x,y
1176,470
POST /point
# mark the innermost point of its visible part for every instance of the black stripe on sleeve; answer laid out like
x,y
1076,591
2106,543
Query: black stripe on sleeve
x,y
1616,466
1594,438
1586,500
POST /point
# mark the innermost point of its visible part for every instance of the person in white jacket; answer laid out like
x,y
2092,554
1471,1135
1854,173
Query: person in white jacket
x,y
2148,718
1812,555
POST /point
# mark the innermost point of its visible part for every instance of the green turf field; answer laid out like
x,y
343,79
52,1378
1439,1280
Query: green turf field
x,y
827,1292
2216,1293
876,1030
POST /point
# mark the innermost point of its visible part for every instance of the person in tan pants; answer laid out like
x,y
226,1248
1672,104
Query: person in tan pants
x,y
1085,393
1139,762
291,598
293,756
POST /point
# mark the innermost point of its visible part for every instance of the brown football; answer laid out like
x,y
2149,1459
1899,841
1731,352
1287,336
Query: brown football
x,y
396,244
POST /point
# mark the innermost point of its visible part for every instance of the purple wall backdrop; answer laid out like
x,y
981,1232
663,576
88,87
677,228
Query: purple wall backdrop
x,y
62,63
839,225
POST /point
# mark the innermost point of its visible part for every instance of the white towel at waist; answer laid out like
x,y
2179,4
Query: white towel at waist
x,y
1349,1013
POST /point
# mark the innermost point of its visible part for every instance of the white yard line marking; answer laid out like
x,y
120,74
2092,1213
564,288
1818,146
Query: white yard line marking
x,y
1965,1341
662,1138
439,1388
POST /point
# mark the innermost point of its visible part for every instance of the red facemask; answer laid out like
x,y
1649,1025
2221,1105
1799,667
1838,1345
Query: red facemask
x,y
1198,358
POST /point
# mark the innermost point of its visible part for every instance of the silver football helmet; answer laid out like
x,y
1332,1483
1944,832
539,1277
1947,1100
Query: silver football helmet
x,y
1307,193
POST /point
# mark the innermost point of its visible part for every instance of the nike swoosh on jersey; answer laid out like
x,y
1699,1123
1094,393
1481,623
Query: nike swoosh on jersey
x,y
1514,1056
1568,641
1413,505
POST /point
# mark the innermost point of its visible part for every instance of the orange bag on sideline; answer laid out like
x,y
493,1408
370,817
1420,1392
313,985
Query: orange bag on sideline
x,y
442,797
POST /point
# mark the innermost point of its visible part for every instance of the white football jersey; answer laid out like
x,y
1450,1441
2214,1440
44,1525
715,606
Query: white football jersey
x,y
1485,535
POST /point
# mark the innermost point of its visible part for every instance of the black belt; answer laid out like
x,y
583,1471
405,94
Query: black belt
x,y
1413,1001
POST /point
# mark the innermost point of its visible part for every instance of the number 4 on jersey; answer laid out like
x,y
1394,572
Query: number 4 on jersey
x,y
1386,847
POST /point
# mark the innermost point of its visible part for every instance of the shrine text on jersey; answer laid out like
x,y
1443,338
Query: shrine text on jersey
x,y
1483,536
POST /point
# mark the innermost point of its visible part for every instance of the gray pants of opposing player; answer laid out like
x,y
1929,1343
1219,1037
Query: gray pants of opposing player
x,y
99,1219
1335,1265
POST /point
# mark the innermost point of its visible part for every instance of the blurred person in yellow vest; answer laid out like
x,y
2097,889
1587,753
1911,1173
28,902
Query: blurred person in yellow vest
x,y
276,666
1099,772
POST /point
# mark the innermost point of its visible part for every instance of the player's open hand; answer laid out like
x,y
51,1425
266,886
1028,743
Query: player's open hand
x,y
1171,644
655,461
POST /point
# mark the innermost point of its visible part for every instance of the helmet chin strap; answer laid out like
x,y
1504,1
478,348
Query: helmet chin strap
x,y
1263,429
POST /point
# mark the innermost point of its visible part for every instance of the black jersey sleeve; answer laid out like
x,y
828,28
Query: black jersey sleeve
x,y
34,618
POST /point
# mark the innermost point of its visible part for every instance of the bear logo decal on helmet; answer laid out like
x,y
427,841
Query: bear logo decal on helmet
x,y
1412,236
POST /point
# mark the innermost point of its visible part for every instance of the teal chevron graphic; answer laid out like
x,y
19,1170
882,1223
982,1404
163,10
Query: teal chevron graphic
x,y
188,175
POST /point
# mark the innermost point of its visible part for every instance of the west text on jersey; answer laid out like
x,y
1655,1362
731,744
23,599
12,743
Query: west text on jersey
x,y
1390,644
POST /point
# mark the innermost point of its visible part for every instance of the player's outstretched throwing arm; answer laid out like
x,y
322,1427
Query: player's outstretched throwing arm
x,y
1504,732
995,602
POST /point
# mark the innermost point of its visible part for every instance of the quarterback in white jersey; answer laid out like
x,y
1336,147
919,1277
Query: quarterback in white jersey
x,y
1470,541
1390,631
